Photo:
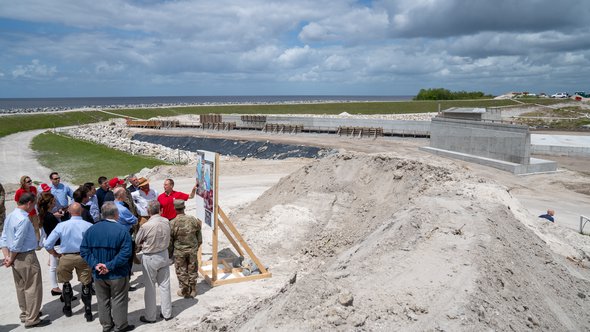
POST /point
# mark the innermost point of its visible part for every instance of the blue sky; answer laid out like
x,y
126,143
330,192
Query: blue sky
x,y
80,48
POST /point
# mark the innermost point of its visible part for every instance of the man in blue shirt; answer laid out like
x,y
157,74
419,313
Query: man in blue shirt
x,y
71,232
106,247
549,215
60,191
126,218
18,244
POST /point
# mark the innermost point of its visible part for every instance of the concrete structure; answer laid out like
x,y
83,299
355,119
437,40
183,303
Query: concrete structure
x,y
561,145
390,127
503,146
475,114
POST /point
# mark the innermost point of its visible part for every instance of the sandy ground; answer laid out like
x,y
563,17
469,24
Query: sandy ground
x,y
380,236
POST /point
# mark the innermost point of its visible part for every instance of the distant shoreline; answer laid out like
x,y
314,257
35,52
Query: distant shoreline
x,y
51,105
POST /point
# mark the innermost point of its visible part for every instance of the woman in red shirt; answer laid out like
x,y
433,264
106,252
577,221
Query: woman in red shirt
x,y
26,186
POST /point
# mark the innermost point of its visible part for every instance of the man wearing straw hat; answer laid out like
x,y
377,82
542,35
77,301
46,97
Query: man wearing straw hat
x,y
142,197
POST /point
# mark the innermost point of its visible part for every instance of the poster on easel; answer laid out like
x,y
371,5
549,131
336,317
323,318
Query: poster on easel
x,y
205,175
216,270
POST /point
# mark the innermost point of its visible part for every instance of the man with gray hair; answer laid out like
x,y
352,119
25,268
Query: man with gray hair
x,y
126,218
106,247
152,239
134,183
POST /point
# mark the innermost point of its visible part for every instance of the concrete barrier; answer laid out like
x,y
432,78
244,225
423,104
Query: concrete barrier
x,y
485,139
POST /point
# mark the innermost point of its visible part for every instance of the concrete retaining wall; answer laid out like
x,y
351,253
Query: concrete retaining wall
x,y
510,143
421,128
569,151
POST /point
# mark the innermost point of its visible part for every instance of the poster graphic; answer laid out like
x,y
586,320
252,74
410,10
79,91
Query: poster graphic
x,y
205,174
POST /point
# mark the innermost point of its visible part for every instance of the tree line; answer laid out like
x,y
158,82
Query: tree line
x,y
445,94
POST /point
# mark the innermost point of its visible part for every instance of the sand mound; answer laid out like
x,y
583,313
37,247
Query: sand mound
x,y
372,242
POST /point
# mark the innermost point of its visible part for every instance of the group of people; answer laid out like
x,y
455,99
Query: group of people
x,y
97,233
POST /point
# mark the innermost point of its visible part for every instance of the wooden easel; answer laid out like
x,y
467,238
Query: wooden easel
x,y
225,268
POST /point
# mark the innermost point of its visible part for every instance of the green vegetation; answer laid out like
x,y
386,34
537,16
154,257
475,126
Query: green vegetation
x,y
15,123
444,94
570,124
566,118
84,161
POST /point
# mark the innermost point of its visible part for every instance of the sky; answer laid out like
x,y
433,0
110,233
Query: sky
x,y
90,48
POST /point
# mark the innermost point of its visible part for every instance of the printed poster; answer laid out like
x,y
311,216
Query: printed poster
x,y
205,174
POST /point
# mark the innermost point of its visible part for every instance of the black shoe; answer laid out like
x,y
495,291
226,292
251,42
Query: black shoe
x,y
145,320
54,293
61,298
89,317
132,288
67,311
43,322
166,319
38,316
128,328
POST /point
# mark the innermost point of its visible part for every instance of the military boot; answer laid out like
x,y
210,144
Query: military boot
x,y
87,300
193,292
68,294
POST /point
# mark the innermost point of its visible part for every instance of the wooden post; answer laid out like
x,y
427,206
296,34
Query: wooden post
x,y
215,221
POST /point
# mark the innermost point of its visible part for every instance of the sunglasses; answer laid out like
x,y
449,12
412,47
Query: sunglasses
x,y
29,181
55,178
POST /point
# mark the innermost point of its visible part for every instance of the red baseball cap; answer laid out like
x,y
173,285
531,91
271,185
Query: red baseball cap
x,y
45,187
115,181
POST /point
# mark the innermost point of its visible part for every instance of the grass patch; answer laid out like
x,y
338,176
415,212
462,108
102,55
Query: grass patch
x,y
22,122
81,161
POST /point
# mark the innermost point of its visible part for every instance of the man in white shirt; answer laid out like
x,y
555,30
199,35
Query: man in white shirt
x,y
142,197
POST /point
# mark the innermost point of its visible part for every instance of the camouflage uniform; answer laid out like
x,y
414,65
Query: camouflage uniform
x,y
185,239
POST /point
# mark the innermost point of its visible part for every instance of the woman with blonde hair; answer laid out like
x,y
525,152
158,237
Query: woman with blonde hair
x,y
45,204
26,186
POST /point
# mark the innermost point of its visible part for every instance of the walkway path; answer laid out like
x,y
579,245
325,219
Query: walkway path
x,y
17,159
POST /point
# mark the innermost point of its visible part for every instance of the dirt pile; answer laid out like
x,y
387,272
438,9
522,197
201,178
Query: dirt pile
x,y
373,242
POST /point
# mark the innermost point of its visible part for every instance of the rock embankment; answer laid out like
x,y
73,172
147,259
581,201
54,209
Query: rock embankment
x,y
115,134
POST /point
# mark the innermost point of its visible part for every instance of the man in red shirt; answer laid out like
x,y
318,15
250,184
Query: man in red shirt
x,y
167,198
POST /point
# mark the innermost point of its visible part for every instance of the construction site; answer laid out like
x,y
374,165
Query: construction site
x,y
370,230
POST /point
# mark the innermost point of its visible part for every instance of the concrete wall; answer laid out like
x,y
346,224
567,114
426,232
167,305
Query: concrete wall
x,y
389,126
555,150
485,139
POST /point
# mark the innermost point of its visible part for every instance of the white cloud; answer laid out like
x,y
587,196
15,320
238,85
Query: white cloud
x,y
35,70
337,63
295,56
103,67
344,42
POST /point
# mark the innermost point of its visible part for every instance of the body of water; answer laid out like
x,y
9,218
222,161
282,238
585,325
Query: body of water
x,y
12,105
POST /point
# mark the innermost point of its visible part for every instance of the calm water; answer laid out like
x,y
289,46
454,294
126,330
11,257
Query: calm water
x,y
65,103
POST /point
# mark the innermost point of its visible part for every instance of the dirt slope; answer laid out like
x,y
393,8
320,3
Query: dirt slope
x,y
373,242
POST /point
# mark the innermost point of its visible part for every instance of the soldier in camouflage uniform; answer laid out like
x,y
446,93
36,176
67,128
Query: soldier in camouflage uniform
x,y
185,239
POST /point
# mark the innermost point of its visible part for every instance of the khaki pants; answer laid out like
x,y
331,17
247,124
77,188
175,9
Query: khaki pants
x,y
156,269
26,272
67,264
